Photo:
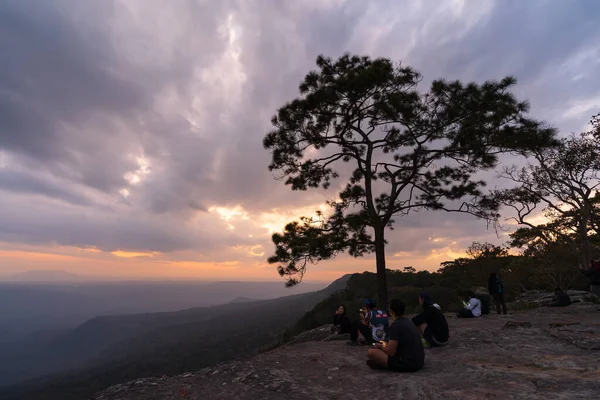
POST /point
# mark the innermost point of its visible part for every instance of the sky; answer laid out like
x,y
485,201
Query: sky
x,y
131,131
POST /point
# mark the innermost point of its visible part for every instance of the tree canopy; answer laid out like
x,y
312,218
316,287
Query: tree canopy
x,y
401,151
563,182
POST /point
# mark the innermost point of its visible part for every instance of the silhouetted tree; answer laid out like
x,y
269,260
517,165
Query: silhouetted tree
x,y
595,124
408,152
563,183
486,250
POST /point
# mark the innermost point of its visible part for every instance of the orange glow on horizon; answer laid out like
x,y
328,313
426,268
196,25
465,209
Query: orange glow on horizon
x,y
133,254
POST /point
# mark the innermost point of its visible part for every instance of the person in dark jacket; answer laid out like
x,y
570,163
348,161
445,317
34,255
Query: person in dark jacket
x,y
341,322
594,274
496,290
431,323
561,299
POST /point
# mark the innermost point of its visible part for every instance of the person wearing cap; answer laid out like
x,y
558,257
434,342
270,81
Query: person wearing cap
x,y
373,324
431,323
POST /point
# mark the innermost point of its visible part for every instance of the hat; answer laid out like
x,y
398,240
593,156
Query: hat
x,y
370,303
426,298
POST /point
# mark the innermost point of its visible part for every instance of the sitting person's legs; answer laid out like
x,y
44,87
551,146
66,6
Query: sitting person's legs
x,y
422,330
464,313
378,359
366,332
354,330
358,326
431,340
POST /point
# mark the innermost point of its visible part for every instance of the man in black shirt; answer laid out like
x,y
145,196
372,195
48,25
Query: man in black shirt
x,y
431,323
404,352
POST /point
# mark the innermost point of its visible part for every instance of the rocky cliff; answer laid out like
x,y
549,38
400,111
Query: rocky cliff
x,y
544,353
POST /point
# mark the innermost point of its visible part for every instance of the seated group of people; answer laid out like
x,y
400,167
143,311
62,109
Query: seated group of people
x,y
399,346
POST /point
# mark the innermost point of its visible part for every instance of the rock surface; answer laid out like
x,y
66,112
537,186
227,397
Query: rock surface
x,y
540,298
545,353
322,333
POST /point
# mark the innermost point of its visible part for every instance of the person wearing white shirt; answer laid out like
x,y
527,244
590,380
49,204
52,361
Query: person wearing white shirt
x,y
472,309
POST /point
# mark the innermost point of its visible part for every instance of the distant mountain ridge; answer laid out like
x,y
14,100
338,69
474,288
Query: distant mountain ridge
x,y
241,299
45,276
111,349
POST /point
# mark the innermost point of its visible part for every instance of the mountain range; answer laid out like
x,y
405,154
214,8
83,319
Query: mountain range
x,y
45,276
110,349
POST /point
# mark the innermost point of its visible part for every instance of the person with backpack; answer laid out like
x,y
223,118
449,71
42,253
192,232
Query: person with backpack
x,y
496,290
373,324
593,273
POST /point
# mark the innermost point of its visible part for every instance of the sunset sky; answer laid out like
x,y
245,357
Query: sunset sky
x,y
131,131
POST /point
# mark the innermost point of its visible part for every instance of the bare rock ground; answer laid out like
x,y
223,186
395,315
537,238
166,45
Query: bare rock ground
x,y
545,353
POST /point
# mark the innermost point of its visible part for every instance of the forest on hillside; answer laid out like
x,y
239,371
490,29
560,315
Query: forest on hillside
x,y
536,267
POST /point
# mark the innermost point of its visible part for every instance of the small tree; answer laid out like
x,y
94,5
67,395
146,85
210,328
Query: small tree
x,y
486,250
563,183
407,151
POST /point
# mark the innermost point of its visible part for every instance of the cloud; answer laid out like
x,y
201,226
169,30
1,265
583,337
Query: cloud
x,y
126,126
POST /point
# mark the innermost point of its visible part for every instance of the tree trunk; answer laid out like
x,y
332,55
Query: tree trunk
x,y
582,232
382,289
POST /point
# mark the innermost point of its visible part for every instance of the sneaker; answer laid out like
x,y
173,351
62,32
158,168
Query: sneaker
x,y
425,343
352,343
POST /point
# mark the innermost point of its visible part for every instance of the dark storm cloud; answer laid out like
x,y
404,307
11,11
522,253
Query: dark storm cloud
x,y
88,89
26,182
53,73
69,98
532,40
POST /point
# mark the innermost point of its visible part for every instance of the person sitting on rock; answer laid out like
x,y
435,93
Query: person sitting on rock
x,y
341,322
560,299
373,324
472,309
496,290
431,323
404,352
